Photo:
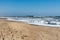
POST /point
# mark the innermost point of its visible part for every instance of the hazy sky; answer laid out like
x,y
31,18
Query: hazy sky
x,y
30,7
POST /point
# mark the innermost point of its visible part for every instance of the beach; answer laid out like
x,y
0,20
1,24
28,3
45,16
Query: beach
x,y
13,30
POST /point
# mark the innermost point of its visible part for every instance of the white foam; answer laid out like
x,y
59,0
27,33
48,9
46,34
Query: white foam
x,y
45,24
36,22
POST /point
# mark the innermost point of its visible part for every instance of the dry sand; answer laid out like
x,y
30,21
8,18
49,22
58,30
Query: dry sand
x,y
22,31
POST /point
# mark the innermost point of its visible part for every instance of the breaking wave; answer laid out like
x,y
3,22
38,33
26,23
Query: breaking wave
x,y
37,21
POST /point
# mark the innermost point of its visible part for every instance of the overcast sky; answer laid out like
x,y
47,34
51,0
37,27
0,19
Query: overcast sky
x,y
29,7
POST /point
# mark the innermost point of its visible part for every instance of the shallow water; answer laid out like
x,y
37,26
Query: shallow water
x,y
37,21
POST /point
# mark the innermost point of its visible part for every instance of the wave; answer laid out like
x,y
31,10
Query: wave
x,y
37,21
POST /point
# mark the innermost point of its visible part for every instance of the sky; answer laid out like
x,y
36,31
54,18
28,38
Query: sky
x,y
30,7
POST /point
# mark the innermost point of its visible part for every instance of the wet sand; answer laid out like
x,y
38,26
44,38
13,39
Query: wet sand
x,y
11,30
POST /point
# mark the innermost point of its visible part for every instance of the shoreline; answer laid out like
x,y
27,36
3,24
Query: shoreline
x,y
34,23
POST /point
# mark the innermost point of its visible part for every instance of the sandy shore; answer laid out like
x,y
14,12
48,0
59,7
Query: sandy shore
x,y
10,30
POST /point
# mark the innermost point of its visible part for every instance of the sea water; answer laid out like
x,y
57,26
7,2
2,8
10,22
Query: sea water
x,y
37,21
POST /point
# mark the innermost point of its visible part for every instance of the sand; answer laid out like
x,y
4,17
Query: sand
x,y
10,30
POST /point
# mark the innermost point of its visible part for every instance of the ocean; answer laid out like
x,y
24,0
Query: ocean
x,y
52,21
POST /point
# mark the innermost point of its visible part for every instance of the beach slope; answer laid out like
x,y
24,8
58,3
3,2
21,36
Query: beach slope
x,y
10,30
